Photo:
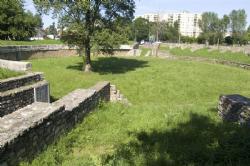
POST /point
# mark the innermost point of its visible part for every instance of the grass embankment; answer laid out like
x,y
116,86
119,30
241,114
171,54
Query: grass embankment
x,y
206,53
4,73
35,42
172,121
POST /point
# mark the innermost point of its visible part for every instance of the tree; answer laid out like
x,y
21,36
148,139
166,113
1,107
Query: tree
x,y
238,25
85,20
165,31
52,30
15,23
172,32
209,25
213,28
140,29
248,34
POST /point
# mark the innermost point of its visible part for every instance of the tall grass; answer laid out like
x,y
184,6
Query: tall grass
x,y
5,73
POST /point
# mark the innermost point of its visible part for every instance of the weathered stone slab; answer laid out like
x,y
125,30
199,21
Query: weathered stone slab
x,y
42,93
74,99
103,89
14,65
230,106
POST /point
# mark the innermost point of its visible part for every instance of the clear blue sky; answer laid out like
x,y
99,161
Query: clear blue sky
x,y
153,6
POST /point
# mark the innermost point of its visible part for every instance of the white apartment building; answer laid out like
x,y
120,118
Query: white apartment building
x,y
188,22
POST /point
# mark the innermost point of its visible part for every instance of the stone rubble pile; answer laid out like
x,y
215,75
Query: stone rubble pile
x,y
234,108
117,96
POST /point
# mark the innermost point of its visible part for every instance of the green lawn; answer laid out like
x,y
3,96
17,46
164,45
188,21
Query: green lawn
x,y
35,42
4,73
172,121
229,56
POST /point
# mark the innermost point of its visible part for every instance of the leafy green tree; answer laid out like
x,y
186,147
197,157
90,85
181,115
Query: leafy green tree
x,y
15,23
84,19
238,25
140,29
209,25
213,28
172,32
52,30
165,31
248,34
187,39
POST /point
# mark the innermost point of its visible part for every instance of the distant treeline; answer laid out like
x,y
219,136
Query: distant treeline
x,y
230,29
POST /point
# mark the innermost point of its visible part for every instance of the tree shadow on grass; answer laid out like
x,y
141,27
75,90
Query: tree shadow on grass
x,y
114,65
200,141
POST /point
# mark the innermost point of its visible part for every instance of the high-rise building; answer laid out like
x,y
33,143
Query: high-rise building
x,y
188,22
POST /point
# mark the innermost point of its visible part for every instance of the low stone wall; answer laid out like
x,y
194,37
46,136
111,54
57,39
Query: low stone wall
x,y
16,82
27,131
30,130
15,99
17,53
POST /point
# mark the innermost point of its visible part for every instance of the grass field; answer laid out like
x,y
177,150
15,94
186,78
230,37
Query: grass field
x,y
229,56
35,42
4,73
172,121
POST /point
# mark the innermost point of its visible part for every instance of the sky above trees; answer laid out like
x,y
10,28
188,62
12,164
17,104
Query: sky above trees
x,y
146,6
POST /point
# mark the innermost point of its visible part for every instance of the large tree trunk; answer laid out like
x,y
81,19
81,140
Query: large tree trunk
x,y
87,66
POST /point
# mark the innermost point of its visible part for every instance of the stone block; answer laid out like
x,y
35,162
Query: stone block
x,y
14,65
42,93
230,106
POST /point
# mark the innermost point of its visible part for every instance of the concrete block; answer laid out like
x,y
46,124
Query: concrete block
x,y
14,65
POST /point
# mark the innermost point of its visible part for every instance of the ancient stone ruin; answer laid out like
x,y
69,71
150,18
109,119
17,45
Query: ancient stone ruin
x,y
18,92
234,108
29,122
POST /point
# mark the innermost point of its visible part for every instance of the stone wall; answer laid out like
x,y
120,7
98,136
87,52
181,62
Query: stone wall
x,y
16,82
17,53
30,130
15,99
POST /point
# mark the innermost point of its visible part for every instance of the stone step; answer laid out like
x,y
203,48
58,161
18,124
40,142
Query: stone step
x,y
23,80
18,98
